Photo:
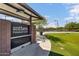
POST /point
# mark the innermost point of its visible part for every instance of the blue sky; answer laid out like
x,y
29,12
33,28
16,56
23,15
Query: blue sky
x,y
61,12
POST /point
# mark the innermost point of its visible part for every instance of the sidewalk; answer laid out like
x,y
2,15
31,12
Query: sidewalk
x,y
44,48
41,48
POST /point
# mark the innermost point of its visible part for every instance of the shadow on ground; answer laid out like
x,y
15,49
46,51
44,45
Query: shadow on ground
x,y
55,54
34,50
54,39
42,52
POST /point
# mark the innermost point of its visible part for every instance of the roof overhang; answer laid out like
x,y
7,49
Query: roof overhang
x,y
19,10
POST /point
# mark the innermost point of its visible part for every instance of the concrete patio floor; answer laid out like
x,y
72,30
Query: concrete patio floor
x,y
40,48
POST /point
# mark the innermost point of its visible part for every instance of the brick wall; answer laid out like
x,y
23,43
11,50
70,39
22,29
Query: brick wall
x,y
33,34
5,35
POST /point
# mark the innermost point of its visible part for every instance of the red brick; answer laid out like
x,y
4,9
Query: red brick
x,y
5,35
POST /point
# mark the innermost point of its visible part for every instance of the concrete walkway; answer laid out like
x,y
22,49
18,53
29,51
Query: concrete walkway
x,y
40,48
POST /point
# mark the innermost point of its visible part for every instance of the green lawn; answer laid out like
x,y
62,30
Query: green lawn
x,y
66,44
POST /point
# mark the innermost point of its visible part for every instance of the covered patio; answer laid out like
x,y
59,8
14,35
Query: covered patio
x,y
26,15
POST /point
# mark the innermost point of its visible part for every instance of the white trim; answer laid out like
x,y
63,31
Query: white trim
x,y
17,48
20,36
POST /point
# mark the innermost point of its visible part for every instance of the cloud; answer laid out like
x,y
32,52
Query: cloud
x,y
51,25
47,16
9,18
73,13
69,18
74,10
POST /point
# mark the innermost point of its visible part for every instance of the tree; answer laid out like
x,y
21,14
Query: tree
x,y
60,28
72,26
50,29
40,24
77,27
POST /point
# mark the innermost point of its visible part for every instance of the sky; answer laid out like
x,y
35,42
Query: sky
x,y
57,14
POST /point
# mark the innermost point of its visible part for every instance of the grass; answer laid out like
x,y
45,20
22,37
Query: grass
x,y
66,44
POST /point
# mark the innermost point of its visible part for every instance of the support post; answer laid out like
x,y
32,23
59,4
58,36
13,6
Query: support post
x,y
32,31
5,35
